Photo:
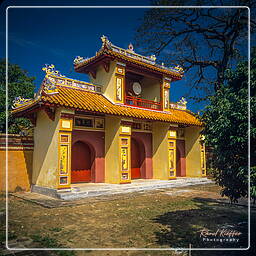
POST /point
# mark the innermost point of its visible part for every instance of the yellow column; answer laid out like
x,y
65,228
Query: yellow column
x,y
125,154
202,155
64,153
172,154
166,94
119,83
160,150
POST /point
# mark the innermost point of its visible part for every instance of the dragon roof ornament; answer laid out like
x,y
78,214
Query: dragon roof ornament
x,y
19,102
79,59
182,101
50,70
49,86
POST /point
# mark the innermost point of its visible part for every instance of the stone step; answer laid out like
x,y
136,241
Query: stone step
x,y
129,188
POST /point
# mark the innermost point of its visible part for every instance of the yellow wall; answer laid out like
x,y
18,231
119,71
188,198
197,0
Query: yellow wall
x,y
150,89
106,80
112,165
45,160
192,146
19,170
160,150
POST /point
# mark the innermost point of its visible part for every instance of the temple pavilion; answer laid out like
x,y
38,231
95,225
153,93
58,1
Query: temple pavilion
x,y
119,127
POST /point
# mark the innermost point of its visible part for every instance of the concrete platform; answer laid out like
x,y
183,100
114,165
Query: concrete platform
x,y
86,190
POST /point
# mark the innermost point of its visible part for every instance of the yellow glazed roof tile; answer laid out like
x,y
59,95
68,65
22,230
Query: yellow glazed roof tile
x,y
95,102
81,99
129,59
127,55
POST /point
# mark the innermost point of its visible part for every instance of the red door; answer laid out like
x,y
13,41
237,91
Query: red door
x,y
178,163
135,161
81,163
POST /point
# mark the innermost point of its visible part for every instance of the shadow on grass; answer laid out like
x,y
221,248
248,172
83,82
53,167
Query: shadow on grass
x,y
183,227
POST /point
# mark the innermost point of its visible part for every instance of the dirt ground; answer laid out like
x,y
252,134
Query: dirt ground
x,y
160,219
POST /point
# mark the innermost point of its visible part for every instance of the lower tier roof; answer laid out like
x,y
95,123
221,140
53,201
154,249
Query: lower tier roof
x,y
95,102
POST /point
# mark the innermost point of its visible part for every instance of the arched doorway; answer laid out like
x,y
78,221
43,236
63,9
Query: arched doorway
x,y
81,163
178,163
137,159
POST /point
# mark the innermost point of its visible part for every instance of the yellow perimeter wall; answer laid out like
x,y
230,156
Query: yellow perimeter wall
x,y
192,147
20,157
45,161
19,170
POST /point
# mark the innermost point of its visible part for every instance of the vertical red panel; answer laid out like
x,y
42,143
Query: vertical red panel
x,y
135,160
80,163
180,159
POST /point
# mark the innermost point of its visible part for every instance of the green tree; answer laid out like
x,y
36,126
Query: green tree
x,y
19,84
204,41
226,131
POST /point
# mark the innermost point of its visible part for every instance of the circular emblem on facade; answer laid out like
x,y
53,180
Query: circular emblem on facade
x,y
136,88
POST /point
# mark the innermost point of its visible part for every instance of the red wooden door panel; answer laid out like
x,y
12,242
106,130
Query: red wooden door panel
x,y
80,163
135,161
178,163
80,176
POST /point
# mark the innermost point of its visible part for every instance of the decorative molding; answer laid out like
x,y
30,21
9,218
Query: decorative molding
x,y
126,122
49,87
167,79
67,115
121,64
181,104
106,65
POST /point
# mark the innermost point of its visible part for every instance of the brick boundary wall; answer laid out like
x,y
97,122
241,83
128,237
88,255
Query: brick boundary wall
x,y
20,157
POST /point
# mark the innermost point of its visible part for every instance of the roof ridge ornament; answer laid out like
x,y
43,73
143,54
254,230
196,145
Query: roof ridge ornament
x,y
130,47
50,70
153,57
49,86
179,69
182,101
78,59
105,41
19,102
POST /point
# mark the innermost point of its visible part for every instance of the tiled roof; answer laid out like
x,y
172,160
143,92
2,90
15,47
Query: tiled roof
x,y
109,52
80,99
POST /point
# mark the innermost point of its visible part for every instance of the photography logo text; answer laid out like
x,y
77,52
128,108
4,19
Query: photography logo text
x,y
220,235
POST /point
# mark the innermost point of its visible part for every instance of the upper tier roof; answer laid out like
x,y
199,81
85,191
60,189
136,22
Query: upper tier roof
x,y
108,50
84,96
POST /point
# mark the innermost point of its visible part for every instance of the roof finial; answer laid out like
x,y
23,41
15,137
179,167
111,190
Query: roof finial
x,y
130,47
105,41
50,70
78,59
183,101
153,57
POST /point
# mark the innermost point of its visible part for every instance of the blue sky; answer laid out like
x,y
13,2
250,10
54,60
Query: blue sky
x,y
55,36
